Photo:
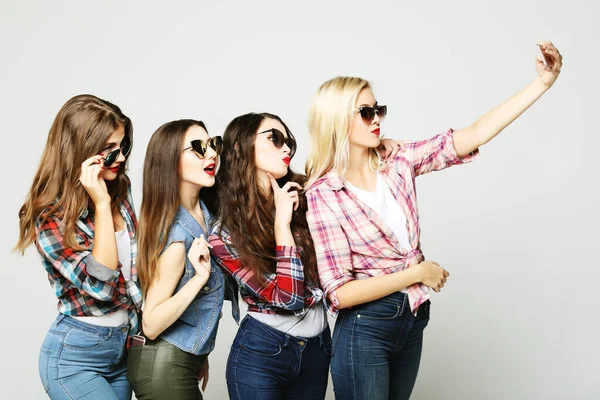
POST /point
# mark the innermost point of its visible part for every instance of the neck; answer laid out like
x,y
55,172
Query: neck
x,y
190,198
359,169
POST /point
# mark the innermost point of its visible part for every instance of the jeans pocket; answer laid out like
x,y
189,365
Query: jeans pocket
x,y
140,365
379,310
82,340
255,344
43,368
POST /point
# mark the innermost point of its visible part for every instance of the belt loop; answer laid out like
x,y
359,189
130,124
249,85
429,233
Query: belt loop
x,y
286,341
61,316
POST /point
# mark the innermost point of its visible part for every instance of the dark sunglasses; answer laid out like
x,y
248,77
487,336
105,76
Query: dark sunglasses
x,y
279,139
125,149
368,113
199,146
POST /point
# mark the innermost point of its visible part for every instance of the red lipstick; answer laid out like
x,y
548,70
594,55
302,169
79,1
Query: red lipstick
x,y
210,170
287,160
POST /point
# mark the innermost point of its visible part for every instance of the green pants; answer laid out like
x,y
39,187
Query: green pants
x,y
160,370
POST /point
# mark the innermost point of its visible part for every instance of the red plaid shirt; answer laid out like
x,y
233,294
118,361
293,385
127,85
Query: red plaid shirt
x,y
282,292
83,286
353,242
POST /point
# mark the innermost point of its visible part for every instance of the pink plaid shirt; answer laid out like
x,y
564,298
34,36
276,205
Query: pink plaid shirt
x,y
353,242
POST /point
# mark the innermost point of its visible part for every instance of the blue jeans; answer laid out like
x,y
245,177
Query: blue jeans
x,y
84,361
377,349
266,364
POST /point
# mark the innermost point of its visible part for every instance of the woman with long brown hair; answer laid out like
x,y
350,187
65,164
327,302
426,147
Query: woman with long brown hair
x,y
183,291
79,214
262,240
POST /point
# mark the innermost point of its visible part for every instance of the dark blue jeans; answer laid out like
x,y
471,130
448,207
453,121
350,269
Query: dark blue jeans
x,y
266,364
377,349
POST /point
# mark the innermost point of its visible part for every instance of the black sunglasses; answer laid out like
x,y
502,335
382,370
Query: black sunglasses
x,y
125,149
199,146
279,139
368,113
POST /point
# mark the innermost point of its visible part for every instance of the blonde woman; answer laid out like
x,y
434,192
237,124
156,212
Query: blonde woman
x,y
364,222
79,214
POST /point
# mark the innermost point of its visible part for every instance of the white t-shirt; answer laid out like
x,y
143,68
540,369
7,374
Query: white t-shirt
x,y
382,201
119,317
306,326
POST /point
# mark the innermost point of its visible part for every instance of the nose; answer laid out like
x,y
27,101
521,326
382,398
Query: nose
x,y
376,120
210,154
121,158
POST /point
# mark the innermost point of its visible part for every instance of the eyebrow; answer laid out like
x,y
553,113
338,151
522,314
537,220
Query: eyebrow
x,y
368,105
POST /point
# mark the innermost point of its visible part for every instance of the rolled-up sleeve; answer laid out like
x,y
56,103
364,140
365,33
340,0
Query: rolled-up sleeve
x,y
77,266
334,257
434,154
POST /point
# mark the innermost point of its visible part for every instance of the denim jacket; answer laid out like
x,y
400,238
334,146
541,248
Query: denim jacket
x,y
196,329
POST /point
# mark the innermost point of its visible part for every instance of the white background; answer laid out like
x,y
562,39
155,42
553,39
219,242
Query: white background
x,y
517,229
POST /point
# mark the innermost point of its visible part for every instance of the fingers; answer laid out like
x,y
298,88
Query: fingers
x,y
289,185
91,160
385,149
200,247
556,57
393,153
398,147
551,50
90,169
205,241
274,184
295,199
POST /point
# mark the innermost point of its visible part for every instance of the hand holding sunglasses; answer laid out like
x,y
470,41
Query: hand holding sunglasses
x,y
92,182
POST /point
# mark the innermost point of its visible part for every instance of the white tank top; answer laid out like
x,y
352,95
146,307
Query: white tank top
x,y
119,317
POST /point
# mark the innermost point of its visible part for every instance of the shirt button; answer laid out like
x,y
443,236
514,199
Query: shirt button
x,y
123,299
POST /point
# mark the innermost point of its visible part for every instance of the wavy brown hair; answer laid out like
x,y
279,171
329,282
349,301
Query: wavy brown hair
x,y
80,131
248,213
160,192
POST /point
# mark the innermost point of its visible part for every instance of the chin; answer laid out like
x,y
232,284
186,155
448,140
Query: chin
x,y
374,143
207,181
280,173
109,176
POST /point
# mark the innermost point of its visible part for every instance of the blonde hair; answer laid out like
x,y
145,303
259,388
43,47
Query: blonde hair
x,y
329,123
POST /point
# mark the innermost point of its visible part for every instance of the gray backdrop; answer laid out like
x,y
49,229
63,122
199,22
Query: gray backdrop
x,y
517,228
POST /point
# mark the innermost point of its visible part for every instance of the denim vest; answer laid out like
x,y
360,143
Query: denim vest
x,y
196,329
